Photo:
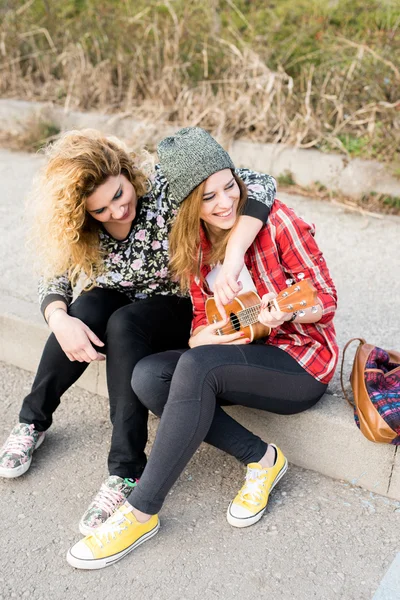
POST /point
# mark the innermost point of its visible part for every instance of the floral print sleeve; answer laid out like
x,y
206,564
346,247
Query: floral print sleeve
x,y
261,190
56,288
163,198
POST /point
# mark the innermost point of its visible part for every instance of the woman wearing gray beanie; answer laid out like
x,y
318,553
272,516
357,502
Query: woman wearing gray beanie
x,y
286,372
103,216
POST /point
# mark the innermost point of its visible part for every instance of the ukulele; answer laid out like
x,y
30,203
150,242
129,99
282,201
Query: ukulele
x,y
243,311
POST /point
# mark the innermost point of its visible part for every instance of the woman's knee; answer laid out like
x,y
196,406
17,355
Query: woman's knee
x,y
127,320
196,372
197,363
89,307
151,379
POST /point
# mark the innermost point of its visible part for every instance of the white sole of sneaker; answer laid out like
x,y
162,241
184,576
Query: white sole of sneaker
x,y
100,563
247,521
86,530
18,471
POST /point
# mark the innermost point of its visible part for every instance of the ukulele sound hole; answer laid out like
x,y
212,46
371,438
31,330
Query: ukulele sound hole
x,y
235,321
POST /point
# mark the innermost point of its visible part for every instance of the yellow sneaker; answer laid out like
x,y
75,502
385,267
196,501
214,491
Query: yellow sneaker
x,y
249,505
120,534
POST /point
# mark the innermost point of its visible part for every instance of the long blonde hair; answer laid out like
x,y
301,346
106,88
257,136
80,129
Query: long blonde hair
x,y
184,239
64,236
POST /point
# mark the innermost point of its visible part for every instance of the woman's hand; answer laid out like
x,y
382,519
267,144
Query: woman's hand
x,y
207,335
226,285
269,315
75,337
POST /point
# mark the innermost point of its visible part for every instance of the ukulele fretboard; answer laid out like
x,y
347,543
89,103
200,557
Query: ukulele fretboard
x,y
249,316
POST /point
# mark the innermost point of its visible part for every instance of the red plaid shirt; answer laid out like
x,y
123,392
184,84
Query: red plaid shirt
x,y
284,248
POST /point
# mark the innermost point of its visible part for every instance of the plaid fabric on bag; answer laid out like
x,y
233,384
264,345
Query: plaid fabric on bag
x,y
382,380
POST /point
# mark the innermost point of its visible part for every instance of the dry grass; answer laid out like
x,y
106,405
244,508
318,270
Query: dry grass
x,y
300,77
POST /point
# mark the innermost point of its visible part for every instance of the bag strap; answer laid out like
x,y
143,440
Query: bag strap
x,y
362,341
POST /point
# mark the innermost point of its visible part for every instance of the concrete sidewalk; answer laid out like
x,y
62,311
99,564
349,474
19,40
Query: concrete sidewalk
x,y
364,258
320,539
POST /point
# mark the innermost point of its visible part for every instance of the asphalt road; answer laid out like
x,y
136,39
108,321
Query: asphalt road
x,y
320,538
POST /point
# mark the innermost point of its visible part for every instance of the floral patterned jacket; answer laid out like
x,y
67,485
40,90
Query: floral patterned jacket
x,y
138,265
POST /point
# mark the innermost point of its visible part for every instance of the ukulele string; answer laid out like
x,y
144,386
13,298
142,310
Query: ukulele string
x,y
251,311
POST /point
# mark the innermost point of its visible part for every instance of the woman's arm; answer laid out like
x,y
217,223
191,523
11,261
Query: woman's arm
x,y
226,285
74,336
56,289
261,191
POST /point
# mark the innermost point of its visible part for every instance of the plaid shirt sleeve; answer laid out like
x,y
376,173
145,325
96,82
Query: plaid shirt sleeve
x,y
299,253
198,297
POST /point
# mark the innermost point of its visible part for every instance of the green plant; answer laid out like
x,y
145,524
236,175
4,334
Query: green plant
x,y
353,145
286,179
381,202
320,186
392,202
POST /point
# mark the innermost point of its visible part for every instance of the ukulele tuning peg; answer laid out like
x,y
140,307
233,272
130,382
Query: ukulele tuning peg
x,y
290,306
289,281
297,288
301,313
285,295
300,276
314,309
303,303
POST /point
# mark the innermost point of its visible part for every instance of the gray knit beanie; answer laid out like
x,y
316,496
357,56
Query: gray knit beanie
x,y
188,158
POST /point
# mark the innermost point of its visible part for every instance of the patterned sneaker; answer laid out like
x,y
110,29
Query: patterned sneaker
x,y
16,454
113,492
249,505
110,542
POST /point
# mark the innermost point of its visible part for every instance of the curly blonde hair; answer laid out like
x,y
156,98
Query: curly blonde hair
x,y
65,237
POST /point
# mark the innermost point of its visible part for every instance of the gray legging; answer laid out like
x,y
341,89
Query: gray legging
x,y
186,388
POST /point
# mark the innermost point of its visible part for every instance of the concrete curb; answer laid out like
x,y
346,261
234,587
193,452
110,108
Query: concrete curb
x,y
336,172
323,438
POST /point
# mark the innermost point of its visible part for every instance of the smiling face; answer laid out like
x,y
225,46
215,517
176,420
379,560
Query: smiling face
x,y
114,202
220,201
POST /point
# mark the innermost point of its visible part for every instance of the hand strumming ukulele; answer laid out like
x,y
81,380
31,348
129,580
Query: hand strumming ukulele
x,y
243,311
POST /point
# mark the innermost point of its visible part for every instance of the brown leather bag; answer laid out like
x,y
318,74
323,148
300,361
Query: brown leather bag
x,y
375,381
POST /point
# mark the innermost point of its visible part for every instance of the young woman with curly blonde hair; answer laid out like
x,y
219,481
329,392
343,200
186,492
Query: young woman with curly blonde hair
x,y
101,229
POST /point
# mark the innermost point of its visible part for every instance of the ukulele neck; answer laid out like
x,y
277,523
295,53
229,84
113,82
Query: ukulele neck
x,y
249,316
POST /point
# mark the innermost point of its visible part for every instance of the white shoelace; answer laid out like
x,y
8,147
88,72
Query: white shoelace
x,y
107,499
116,524
251,492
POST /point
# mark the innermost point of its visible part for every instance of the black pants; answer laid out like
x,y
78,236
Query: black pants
x,y
130,331
188,387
